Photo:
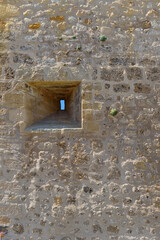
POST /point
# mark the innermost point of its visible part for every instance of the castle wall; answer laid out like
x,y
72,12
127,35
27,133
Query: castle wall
x,y
99,181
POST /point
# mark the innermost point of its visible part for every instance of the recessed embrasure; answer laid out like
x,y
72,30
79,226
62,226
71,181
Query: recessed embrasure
x,y
53,105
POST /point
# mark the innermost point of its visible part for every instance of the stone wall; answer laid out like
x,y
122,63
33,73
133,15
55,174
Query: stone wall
x,y
100,181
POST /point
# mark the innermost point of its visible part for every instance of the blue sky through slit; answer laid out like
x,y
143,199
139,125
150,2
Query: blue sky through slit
x,y
62,104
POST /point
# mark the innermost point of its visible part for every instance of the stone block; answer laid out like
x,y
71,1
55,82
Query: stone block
x,y
3,111
121,61
114,173
99,97
22,126
18,228
142,88
106,31
62,26
10,210
5,86
87,96
9,73
115,75
140,165
157,202
66,238
4,220
91,126
57,18
30,102
37,231
87,21
22,58
153,74
87,105
28,13
2,25
3,47
107,86
88,115
121,88
13,100
97,86
4,59
97,144
113,229
87,86
134,73
8,10
98,116
28,116
34,26
147,62
14,115
145,24
97,105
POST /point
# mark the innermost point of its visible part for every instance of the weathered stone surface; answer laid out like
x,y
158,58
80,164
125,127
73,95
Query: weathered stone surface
x,y
92,126
134,73
62,27
8,10
57,18
13,100
3,58
5,86
10,210
18,228
34,26
37,231
98,180
9,73
142,88
113,229
145,24
122,61
121,87
66,238
153,74
112,75
114,173
147,62
22,58
14,115
4,220
157,203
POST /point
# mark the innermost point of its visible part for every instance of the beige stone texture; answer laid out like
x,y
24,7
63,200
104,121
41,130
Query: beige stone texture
x,y
88,115
4,220
91,171
57,18
34,26
14,115
91,126
13,100
8,10
10,209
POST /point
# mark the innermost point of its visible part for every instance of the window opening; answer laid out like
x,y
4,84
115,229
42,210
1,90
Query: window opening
x,y
53,105
62,105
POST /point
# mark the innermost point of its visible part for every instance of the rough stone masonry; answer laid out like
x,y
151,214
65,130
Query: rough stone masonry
x,y
100,181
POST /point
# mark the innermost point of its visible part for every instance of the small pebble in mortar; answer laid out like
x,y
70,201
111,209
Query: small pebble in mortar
x,y
113,112
79,48
103,38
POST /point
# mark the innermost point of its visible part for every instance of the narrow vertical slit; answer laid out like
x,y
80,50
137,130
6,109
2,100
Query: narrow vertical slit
x,y
62,105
